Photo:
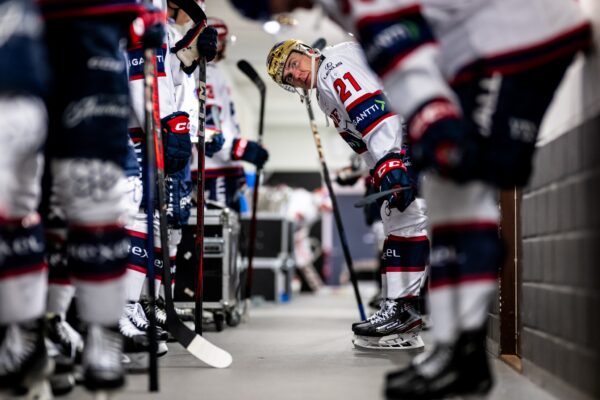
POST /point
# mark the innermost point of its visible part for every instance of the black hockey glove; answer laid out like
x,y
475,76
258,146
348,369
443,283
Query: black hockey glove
x,y
214,144
391,173
249,150
347,176
199,41
177,145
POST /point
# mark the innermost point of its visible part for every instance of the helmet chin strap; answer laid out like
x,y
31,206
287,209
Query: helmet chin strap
x,y
313,57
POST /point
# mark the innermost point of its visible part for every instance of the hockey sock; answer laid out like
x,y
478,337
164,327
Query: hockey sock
x,y
406,259
23,271
464,267
97,256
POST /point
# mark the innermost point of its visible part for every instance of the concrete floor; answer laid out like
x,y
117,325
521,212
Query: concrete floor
x,y
296,351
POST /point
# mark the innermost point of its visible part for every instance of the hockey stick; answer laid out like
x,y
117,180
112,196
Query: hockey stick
x,y
151,125
192,342
250,72
372,198
334,203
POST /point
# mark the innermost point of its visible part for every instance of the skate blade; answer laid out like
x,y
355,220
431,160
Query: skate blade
x,y
38,391
391,342
104,394
136,363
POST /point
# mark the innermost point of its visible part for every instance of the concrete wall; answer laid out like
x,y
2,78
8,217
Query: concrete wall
x,y
560,291
560,295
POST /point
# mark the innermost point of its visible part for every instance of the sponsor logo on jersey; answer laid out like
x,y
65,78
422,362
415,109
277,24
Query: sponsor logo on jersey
x,y
99,252
135,61
388,38
105,64
355,143
330,67
366,112
102,105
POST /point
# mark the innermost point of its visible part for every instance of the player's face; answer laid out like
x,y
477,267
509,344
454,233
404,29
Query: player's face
x,y
297,71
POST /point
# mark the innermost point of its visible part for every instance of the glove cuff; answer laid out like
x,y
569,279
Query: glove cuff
x,y
239,148
388,163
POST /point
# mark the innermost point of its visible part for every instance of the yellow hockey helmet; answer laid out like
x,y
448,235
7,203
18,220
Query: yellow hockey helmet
x,y
278,56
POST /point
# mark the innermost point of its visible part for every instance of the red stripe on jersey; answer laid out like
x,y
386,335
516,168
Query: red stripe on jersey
x,y
377,122
361,99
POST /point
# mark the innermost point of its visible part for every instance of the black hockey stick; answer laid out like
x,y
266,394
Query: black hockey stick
x,y
192,342
250,72
372,198
151,127
334,203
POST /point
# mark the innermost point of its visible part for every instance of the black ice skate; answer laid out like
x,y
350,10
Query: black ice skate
x,y
102,355
448,371
397,327
159,311
65,347
137,316
24,363
383,306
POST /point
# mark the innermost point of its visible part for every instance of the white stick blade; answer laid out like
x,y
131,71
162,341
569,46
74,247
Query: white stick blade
x,y
208,353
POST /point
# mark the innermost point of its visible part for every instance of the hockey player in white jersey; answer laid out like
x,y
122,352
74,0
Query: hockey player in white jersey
x,y
175,125
351,96
473,78
224,172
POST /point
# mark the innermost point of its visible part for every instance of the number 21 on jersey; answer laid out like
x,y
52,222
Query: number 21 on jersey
x,y
340,86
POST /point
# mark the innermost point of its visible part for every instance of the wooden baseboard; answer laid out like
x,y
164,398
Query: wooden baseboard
x,y
513,361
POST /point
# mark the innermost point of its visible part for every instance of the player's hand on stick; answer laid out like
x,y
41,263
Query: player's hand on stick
x,y
199,41
390,173
177,141
214,144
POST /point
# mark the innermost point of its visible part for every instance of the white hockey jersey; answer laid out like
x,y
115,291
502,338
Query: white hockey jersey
x,y
350,94
219,104
408,43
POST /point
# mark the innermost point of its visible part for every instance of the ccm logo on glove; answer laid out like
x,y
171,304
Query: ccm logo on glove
x,y
386,167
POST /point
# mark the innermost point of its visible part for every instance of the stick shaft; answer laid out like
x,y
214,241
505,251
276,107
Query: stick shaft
x,y
336,209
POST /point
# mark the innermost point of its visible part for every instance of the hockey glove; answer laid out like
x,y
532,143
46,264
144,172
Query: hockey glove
x,y
149,28
250,151
177,145
391,173
347,176
200,41
214,144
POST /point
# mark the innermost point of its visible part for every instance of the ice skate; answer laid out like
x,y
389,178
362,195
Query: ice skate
x,y
159,311
103,372
397,327
447,371
65,347
383,305
24,364
136,315
135,346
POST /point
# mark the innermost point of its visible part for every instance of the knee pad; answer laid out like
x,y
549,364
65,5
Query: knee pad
x,y
410,222
97,252
91,191
22,133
